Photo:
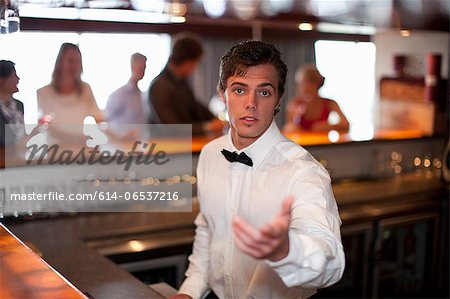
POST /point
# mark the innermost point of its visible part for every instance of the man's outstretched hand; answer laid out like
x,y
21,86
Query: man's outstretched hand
x,y
268,242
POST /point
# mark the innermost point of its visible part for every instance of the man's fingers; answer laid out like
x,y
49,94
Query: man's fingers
x,y
247,228
254,249
248,241
245,248
250,234
245,238
281,221
275,227
260,243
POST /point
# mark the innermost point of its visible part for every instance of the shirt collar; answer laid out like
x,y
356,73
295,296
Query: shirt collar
x,y
131,85
6,102
259,149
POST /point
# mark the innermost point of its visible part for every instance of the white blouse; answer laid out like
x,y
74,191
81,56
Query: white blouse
x,y
67,109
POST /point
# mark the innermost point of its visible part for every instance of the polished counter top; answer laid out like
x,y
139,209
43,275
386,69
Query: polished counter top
x,y
306,138
63,244
23,274
76,246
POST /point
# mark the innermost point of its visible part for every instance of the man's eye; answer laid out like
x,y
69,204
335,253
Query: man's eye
x,y
239,91
265,93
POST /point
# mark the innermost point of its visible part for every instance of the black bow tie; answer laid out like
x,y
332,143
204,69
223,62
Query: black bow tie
x,y
235,157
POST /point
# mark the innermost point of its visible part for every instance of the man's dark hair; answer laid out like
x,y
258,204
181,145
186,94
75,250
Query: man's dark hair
x,y
7,68
187,47
247,54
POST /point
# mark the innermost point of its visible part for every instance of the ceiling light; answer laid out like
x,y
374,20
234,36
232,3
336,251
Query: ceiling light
x,y
114,15
245,9
345,29
282,5
177,19
176,8
326,8
145,5
305,26
214,8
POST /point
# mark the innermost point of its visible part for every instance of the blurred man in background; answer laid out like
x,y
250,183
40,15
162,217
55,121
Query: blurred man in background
x,y
170,95
124,105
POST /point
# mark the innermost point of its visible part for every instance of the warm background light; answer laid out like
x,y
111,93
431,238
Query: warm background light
x,y
305,26
405,33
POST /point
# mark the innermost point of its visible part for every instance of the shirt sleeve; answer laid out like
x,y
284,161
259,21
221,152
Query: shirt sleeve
x,y
113,107
196,282
316,257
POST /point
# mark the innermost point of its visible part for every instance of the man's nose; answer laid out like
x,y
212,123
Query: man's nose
x,y
250,102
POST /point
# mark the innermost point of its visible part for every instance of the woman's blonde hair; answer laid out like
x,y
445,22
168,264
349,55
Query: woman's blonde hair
x,y
56,75
311,73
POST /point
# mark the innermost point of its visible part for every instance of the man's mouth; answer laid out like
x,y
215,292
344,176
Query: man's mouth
x,y
249,119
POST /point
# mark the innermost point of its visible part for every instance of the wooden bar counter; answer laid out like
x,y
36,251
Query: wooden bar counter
x,y
23,274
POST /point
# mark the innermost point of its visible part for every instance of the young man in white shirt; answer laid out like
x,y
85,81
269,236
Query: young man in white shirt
x,y
268,225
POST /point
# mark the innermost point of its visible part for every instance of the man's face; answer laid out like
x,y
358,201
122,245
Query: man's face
x,y
138,68
251,100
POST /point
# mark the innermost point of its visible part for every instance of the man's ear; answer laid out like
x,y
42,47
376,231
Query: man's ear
x,y
221,93
279,101
277,107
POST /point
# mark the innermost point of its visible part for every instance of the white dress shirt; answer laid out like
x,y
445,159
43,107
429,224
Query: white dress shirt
x,y
280,168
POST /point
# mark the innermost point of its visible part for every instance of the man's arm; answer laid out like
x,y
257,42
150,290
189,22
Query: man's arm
x,y
314,256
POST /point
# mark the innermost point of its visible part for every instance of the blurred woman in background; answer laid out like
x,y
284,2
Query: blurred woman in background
x,y
12,127
11,110
308,110
67,100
